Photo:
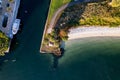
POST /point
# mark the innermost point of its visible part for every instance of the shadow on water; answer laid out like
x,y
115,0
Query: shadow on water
x,y
31,65
14,43
69,20
56,59
72,14
1,64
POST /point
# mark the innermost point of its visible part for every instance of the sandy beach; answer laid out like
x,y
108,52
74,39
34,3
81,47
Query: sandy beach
x,y
83,32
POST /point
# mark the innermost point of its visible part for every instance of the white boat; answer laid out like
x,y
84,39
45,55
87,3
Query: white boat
x,y
15,26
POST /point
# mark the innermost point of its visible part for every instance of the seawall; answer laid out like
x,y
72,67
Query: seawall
x,y
45,29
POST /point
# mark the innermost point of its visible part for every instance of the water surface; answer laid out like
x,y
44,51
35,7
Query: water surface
x,y
84,59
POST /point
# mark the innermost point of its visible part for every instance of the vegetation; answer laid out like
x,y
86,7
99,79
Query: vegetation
x,y
63,34
115,3
55,4
53,40
100,14
55,37
90,14
3,43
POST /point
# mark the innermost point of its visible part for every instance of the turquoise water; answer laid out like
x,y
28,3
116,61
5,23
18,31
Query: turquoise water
x,y
91,59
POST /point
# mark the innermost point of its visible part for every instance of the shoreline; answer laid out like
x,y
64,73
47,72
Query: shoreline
x,y
17,5
84,32
48,30
11,18
45,28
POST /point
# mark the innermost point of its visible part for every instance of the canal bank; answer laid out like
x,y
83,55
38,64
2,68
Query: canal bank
x,y
8,23
45,29
78,63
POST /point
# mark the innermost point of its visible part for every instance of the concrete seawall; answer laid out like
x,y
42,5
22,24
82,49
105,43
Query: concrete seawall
x,y
10,23
45,29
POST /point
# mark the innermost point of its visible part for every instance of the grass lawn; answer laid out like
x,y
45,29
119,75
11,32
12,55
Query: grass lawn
x,y
55,4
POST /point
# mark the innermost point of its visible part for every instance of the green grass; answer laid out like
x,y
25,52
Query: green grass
x,y
55,4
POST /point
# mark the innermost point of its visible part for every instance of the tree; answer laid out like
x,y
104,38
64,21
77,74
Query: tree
x,y
115,3
56,43
64,34
65,38
46,41
4,41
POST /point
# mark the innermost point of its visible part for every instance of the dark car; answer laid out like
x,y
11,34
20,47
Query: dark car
x,y
5,20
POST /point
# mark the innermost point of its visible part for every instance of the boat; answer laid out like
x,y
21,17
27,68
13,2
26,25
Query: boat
x,y
15,26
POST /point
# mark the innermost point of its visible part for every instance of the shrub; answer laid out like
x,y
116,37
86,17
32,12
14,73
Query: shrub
x,y
115,3
4,41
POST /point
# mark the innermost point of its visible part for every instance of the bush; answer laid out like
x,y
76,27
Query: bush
x,y
115,3
4,41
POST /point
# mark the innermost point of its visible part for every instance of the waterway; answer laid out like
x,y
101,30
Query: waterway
x,y
91,59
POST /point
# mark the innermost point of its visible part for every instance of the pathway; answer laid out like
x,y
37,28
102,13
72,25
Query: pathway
x,y
53,21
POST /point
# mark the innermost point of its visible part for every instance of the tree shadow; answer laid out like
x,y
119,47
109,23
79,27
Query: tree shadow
x,y
56,59
69,18
72,14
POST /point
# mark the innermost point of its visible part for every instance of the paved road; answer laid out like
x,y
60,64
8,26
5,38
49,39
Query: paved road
x,y
55,16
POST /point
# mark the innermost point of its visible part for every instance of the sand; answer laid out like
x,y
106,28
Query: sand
x,y
83,32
